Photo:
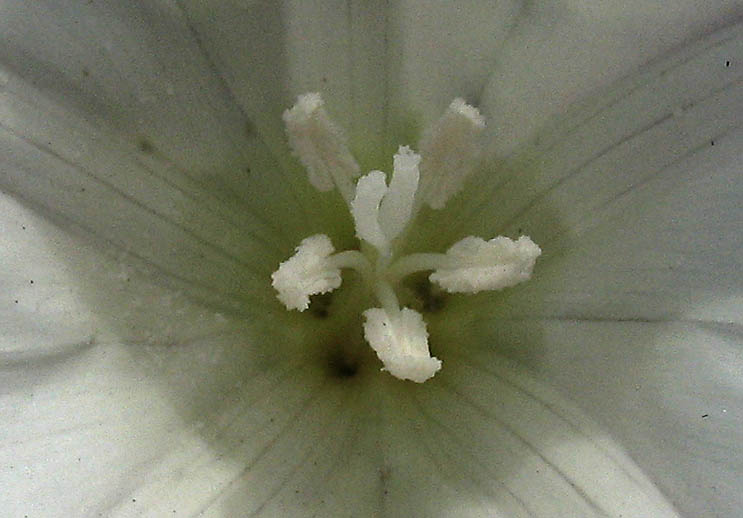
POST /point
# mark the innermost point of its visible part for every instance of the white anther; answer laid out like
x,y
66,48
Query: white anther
x,y
450,150
401,343
320,146
478,265
308,272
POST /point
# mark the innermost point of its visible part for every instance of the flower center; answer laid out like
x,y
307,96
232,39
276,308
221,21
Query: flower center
x,y
382,212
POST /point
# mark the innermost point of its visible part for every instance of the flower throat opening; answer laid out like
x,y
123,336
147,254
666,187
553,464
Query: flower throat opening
x,y
382,212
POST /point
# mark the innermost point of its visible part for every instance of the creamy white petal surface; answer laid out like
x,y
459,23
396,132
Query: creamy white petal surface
x,y
635,197
149,370
468,39
268,53
559,51
137,74
214,420
85,416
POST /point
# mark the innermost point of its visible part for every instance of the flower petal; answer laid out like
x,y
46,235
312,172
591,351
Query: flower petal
x,y
73,449
268,54
669,391
139,71
62,292
639,220
480,441
635,198
227,423
427,77
562,50
131,164
85,416
40,303
96,431
485,439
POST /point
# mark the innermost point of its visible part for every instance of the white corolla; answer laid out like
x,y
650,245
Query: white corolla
x,y
221,220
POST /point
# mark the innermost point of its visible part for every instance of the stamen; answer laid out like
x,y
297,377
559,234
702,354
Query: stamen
x,y
382,214
450,151
352,259
487,265
307,272
401,343
414,263
320,146
386,296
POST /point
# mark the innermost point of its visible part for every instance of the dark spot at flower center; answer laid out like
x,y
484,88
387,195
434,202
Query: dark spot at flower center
x,y
430,298
145,146
320,305
342,366
249,129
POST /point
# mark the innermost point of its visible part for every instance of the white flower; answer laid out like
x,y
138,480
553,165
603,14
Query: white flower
x,y
149,191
